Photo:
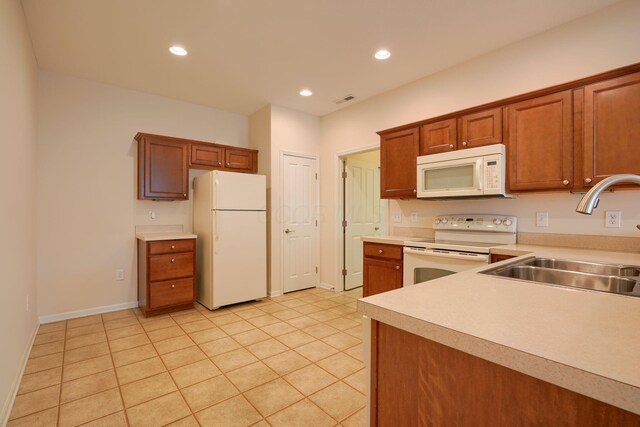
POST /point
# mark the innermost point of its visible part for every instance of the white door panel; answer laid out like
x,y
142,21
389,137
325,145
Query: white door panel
x,y
239,191
299,227
365,214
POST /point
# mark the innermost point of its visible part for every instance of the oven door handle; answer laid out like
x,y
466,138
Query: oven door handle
x,y
444,254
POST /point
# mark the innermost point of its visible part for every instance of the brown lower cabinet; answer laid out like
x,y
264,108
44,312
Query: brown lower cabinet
x,y
418,382
166,275
382,268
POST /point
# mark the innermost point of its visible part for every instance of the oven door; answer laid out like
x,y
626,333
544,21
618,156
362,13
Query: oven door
x,y
421,265
451,178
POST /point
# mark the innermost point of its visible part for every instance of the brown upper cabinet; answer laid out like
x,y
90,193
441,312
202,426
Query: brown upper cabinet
x,y
438,137
164,162
163,173
398,154
207,155
482,128
540,151
611,129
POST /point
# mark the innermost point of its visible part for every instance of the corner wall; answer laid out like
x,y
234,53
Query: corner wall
x,y
87,176
587,46
18,188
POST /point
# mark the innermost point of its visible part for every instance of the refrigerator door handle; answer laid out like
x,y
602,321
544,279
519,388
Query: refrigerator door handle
x,y
215,232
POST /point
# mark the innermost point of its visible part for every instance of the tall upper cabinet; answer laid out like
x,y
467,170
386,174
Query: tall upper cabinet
x,y
611,142
398,153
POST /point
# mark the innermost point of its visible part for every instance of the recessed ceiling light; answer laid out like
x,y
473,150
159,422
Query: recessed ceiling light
x,y
382,54
306,92
178,50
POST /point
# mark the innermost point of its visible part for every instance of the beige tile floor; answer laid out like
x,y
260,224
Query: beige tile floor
x,y
294,360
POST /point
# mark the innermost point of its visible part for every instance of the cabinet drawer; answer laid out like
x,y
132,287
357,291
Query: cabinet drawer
x,y
379,250
171,266
171,246
171,292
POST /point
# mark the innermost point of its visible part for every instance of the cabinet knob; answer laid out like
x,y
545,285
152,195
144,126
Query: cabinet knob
x,y
184,195
450,145
380,251
464,143
173,286
228,164
219,164
173,260
587,180
397,267
415,191
173,246
565,182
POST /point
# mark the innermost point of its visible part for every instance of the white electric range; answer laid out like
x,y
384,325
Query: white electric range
x,y
461,242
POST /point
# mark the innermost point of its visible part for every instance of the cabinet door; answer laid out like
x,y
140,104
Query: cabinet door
x,y
206,155
540,143
163,169
381,276
438,137
483,128
398,155
239,160
611,128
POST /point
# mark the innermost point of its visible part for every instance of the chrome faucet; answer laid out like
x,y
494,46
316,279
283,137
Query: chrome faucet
x,y
590,199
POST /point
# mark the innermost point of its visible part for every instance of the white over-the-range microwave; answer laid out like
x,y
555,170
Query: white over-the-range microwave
x,y
471,172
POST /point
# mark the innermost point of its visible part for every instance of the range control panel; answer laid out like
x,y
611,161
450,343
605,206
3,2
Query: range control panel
x,y
476,222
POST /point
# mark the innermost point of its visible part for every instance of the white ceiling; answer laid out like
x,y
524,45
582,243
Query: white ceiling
x,y
244,54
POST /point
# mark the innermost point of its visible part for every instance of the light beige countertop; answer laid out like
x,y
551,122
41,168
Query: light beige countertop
x,y
389,240
584,341
152,237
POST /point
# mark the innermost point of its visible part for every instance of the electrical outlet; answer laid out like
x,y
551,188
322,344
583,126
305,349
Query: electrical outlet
x,y
152,215
119,274
542,219
397,217
414,216
613,219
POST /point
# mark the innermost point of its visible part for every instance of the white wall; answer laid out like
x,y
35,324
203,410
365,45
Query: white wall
x,y
18,70
595,43
87,184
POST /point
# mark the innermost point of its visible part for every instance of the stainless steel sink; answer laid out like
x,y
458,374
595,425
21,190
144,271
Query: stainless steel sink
x,y
619,279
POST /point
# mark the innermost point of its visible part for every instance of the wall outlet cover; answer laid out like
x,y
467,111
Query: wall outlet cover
x,y
542,219
397,217
613,219
414,217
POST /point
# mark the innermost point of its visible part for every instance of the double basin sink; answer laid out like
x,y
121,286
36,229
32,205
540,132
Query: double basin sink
x,y
618,279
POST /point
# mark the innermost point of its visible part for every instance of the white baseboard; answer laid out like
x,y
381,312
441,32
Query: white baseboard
x,y
326,286
273,294
87,312
8,404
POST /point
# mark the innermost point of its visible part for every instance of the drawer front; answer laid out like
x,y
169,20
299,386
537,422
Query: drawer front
x,y
379,250
171,266
171,292
171,246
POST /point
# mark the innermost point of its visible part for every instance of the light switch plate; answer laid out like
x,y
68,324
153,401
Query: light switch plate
x,y
119,274
542,219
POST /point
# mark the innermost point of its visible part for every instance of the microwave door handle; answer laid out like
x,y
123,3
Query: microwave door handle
x,y
479,173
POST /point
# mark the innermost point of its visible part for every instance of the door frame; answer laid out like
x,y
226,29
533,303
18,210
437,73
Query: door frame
x,y
278,224
339,202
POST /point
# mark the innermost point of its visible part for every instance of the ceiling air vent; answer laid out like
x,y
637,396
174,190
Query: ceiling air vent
x,y
344,99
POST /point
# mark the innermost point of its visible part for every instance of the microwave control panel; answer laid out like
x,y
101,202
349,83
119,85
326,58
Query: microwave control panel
x,y
493,175
478,222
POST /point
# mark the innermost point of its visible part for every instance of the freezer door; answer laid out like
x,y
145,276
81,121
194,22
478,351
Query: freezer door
x,y
239,256
239,191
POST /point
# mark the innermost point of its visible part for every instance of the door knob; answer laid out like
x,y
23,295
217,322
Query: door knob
x,y
289,231
376,228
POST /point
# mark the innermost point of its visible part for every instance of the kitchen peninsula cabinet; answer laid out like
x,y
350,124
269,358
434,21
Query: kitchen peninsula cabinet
x,y
398,154
540,143
611,129
419,382
166,275
164,163
382,268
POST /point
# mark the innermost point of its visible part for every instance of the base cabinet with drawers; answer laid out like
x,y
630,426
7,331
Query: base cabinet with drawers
x,y
382,269
166,275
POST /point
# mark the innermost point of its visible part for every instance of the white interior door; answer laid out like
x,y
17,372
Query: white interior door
x,y
365,214
299,223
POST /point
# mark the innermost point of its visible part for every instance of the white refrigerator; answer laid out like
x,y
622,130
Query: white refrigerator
x,y
230,219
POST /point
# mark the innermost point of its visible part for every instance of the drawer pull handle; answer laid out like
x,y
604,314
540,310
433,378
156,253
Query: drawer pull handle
x,y
173,286
173,260
380,251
